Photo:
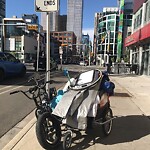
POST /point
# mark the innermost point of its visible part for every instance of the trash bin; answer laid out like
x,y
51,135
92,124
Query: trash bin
x,y
135,68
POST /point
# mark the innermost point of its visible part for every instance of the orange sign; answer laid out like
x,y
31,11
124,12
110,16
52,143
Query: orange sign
x,y
64,44
32,27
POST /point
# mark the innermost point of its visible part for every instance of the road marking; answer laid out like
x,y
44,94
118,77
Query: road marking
x,y
6,87
10,90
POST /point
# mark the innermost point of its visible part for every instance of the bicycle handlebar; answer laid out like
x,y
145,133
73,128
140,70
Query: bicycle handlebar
x,y
24,92
14,92
32,90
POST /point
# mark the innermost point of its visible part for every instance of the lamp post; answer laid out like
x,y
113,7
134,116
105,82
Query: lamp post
x,y
1,33
108,46
38,50
1,38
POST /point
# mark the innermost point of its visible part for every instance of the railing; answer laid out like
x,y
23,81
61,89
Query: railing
x,y
123,68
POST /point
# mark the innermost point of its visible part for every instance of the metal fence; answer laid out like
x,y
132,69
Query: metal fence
x,y
123,68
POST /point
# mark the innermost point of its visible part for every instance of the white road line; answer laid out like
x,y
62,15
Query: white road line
x,y
15,87
10,90
6,87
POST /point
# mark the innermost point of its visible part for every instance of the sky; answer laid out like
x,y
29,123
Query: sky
x,y
20,7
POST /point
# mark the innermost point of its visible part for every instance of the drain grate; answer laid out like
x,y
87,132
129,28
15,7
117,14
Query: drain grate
x,y
122,94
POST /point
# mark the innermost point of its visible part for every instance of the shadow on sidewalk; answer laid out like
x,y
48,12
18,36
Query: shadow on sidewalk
x,y
125,129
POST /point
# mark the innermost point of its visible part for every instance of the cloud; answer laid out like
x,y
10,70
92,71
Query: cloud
x,y
90,32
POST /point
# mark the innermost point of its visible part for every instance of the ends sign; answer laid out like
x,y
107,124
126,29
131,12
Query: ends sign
x,y
46,5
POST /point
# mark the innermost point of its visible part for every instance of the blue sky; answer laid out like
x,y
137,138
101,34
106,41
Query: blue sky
x,y
20,7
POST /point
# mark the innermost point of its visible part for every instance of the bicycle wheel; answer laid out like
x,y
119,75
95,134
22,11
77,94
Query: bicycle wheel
x,y
48,131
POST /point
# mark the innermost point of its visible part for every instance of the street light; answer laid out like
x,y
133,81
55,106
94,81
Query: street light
x,y
1,34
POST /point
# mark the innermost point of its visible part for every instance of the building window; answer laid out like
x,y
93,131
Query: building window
x,y
138,19
111,17
147,12
18,46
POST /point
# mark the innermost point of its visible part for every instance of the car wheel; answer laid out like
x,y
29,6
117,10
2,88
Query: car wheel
x,y
2,75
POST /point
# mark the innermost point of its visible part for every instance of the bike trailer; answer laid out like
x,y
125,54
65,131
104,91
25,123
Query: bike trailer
x,y
78,102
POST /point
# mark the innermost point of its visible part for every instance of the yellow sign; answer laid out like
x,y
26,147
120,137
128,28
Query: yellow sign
x,y
32,27
64,44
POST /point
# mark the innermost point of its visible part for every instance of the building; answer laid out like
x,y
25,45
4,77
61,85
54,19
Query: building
x,y
87,54
124,27
53,21
62,23
68,42
111,28
2,15
138,43
85,42
105,35
2,9
30,18
21,38
75,18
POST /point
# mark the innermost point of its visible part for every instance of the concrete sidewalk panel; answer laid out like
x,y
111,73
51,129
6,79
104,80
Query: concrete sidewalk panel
x,y
20,136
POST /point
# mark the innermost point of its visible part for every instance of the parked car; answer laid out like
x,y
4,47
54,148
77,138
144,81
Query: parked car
x,y
10,66
42,64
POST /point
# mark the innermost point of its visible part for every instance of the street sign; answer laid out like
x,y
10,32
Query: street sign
x,y
32,27
46,5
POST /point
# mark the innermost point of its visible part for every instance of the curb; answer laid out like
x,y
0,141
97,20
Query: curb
x,y
20,135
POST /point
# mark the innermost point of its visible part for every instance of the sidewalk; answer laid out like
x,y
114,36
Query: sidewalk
x,y
131,128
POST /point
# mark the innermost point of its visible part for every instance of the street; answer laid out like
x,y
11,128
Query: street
x,y
130,105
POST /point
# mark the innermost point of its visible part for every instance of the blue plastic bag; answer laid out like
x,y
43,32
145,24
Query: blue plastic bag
x,y
108,87
56,99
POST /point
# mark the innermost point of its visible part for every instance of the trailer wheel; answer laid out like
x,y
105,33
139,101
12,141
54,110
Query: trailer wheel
x,y
67,140
107,127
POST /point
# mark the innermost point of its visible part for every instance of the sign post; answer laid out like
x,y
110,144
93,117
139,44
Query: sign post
x,y
47,6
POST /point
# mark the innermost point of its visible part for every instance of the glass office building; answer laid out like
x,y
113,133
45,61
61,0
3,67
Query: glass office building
x,y
106,34
2,9
75,17
2,15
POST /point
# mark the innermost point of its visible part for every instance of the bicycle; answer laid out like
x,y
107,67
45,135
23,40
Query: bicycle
x,y
39,94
